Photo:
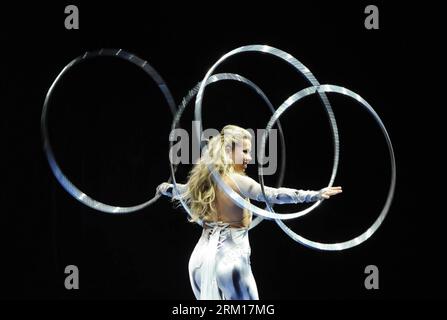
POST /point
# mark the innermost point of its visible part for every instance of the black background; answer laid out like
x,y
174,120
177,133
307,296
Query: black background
x,y
109,126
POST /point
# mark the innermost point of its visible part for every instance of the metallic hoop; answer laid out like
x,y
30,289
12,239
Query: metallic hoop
x,y
373,228
313,81
191,94
55,168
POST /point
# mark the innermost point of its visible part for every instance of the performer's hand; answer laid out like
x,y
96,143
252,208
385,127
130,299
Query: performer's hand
x,y
328,192
164,189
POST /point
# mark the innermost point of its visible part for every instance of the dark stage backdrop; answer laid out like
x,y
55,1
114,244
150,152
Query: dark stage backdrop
x,y
109,127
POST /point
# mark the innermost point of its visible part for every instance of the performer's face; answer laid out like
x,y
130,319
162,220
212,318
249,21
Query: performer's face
x,y
242,155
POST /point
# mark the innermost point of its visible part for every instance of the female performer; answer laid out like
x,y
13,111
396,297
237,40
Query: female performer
x,y
219,266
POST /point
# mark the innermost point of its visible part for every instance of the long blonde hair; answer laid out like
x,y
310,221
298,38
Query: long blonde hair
x,y
200,194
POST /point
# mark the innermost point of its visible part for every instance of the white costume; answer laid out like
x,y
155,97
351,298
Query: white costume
x,y
219,266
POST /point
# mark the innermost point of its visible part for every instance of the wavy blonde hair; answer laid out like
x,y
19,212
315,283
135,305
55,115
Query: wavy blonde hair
x,y
201,189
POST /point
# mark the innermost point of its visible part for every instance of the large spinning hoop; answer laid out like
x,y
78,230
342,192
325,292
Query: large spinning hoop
x,y
175,124
55,168
241,202
373,228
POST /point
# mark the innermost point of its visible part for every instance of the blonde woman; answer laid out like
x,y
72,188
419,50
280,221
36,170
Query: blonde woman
x,y
219,266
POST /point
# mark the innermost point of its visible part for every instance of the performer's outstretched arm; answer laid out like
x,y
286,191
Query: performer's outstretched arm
x,y
252,189
167,189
